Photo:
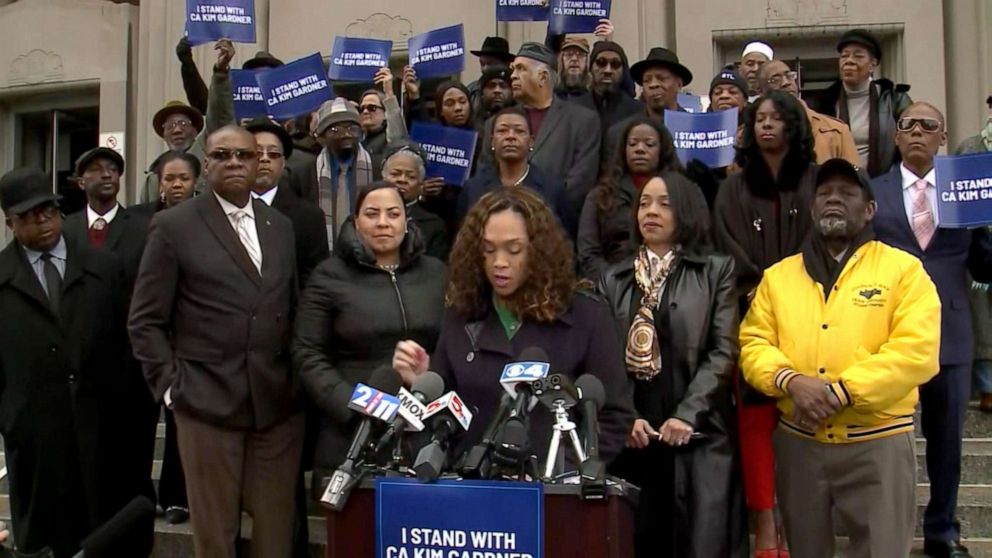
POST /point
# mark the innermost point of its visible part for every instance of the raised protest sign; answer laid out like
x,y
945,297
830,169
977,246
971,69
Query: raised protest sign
x,y
707,136
692,103
438,53
449,151
358,59
521,10
964,190
296,88
248,100
211,20
460,519
577,16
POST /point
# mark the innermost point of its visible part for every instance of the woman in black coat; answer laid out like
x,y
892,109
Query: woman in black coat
x,y
512,143
674,303
377,289
606,224
513,286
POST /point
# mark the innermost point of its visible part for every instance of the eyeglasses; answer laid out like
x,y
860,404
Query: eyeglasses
x,y
929,125
369,108
39,214
779,79
181,124
270,153
573,53
353,129
243,155
604,62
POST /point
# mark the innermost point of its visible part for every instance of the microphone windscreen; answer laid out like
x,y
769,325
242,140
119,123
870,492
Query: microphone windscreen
x,y
591,389
136,511
430,384
533,354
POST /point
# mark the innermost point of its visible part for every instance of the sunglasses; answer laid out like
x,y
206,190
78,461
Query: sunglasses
x,y
929,125
604,62
39,214
270,153
242,155
353,129
369,108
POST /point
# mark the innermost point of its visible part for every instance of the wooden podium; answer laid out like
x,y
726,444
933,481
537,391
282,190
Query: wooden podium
x,y
573,527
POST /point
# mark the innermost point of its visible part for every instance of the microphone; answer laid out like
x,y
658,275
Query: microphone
x,y
373,401
122,523
475,463
446,415
510,447
428,387
592,471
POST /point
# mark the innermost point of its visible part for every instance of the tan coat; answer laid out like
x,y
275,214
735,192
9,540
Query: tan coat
x,y
831,138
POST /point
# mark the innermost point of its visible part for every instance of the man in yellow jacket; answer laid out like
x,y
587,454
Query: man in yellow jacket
x,y
842,335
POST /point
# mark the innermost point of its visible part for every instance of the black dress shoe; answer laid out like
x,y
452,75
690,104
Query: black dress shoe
x,y
945,549
176,515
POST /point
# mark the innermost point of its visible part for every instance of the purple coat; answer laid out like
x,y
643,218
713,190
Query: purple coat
x,y
470,356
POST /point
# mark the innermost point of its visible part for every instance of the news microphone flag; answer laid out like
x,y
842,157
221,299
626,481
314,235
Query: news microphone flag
x,y
374,403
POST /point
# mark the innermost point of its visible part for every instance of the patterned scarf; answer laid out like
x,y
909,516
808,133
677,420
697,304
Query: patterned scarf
x,y
643,353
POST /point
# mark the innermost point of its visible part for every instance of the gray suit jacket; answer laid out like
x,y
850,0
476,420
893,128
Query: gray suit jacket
x,y
205,322
568,147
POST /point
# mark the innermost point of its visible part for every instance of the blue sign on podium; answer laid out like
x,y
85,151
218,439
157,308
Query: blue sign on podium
x,y
458,519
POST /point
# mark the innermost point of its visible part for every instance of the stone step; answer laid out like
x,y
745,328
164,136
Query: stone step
x,y
976,461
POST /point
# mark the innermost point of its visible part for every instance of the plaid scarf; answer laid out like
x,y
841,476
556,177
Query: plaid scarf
x,y
643,354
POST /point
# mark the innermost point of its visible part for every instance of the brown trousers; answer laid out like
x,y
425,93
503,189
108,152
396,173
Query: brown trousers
x,y
871,486
227,469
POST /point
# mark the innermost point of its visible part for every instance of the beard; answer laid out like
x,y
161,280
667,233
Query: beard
x,y
832,227
574,81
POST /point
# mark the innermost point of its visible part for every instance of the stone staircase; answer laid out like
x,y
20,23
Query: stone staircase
x,y
974,500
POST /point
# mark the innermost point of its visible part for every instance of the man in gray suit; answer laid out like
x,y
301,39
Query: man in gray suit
x,y
210,322
566,135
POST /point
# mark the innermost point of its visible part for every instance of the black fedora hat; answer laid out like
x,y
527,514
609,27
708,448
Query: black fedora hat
x,y
262,124
665,58
497,47
24,189
262,59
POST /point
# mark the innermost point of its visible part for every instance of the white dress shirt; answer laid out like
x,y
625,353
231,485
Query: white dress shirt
x,y
231,210
908,179
267,197
92,216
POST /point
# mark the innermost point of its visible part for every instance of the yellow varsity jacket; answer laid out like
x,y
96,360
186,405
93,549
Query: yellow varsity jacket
x,y
875,340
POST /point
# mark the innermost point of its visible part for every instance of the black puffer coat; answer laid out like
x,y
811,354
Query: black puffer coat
x,y
350,317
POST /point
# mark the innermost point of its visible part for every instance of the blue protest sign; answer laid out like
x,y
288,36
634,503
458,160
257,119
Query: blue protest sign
x,y
691,103
521,10
577,16
211,20
964,190
358,59
707,136
449,151
296,88
438,53
248,100
458,519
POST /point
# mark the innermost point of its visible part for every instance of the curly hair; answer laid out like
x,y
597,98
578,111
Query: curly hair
x,y
551,282
668,159
798,135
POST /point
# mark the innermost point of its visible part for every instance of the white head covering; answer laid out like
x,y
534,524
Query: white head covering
x,y
759,47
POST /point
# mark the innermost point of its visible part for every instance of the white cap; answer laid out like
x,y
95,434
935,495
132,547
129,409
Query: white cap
x,y
760,48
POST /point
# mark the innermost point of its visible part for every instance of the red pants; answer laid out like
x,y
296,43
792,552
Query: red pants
x,y
757,423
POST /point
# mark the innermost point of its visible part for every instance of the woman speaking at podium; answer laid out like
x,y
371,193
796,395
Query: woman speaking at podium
x,y
512,285
674,302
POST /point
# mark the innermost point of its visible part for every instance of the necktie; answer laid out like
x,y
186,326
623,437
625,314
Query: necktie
x,y
923,222
98,232
242,222
53,282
